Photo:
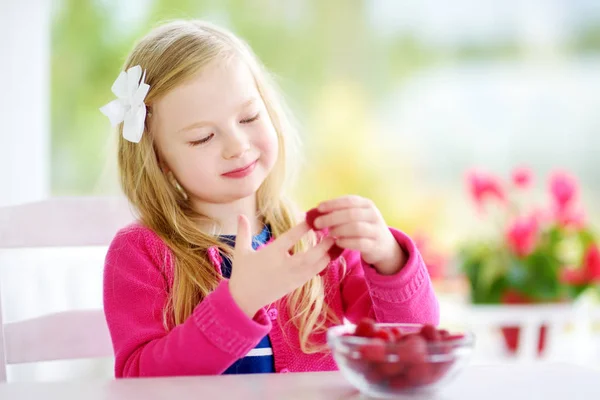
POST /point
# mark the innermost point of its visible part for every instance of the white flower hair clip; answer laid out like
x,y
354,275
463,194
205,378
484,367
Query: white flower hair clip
x,y
129,107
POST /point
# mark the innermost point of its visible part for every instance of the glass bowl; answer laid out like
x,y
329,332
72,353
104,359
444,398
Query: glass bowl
x,y
404,365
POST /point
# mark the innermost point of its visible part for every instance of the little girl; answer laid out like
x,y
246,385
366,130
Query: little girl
x,y
220,274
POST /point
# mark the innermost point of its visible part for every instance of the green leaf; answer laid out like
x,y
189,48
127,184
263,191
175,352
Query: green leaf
x,y
542,282
517,275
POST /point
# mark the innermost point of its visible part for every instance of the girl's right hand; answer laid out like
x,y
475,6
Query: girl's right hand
x,y
260,277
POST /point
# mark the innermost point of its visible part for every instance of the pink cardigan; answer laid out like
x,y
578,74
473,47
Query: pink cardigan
x,y
138,276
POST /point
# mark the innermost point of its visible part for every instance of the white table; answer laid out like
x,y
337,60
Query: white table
x,y
533,382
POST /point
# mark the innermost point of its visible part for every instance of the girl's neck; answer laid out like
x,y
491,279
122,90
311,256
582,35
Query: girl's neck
x,y
226,215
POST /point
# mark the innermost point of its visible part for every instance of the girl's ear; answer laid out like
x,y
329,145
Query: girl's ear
x,y
161,163
163,167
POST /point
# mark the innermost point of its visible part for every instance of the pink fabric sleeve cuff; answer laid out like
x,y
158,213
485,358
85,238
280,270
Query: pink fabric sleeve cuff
x,y
226,325
401,286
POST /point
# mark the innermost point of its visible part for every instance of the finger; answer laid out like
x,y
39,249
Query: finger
x,y
354,230
243,239
320,265
346,215
292,236
317,252
307,271
358,244
344,202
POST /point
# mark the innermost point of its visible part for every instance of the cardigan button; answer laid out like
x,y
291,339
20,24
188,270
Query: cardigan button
x,y
284,371
272,314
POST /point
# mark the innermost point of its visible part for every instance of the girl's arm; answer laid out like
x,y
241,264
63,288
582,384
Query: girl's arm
x,y
406,296
135,293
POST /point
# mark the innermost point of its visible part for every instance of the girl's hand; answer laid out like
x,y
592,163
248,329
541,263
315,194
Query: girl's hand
x,y
260,277
357,224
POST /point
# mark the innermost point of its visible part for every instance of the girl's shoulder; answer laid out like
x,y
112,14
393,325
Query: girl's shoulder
x,y
136,233
137,239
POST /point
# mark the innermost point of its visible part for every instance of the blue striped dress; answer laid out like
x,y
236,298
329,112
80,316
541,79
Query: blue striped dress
x,y
260,359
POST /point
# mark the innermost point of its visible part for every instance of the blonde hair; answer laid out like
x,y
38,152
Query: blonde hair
x,y
171,54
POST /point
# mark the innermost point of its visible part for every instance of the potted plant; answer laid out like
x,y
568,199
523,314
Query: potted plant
x,y
535,253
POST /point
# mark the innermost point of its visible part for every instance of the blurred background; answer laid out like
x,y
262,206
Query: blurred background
x,y
397,100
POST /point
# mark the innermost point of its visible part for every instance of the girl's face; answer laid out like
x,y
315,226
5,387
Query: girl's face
x,y
215,135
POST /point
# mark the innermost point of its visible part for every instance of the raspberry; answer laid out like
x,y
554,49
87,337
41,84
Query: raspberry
x,y
430,333
407,336
311,215
373,376
450,338
397,333
418,374
374,351
399,382
443,333
412,349
335,251
391,369
365,328
384,334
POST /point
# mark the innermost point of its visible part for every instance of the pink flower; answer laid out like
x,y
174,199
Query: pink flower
x,y
563,188
483,185
521,235
522,177
589,271
569,218
573,276
542,216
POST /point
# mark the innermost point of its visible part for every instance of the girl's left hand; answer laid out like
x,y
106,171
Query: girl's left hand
x,y
357,224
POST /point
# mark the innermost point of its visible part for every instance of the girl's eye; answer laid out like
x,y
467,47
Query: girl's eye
x,y
201,141
250,120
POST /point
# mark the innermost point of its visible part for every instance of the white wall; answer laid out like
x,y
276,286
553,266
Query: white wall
x,y
24,100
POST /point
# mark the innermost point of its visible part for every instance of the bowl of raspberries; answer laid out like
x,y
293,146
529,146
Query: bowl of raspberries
x,y
395,359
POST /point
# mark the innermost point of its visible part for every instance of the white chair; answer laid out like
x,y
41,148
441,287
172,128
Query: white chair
x,y
59,222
